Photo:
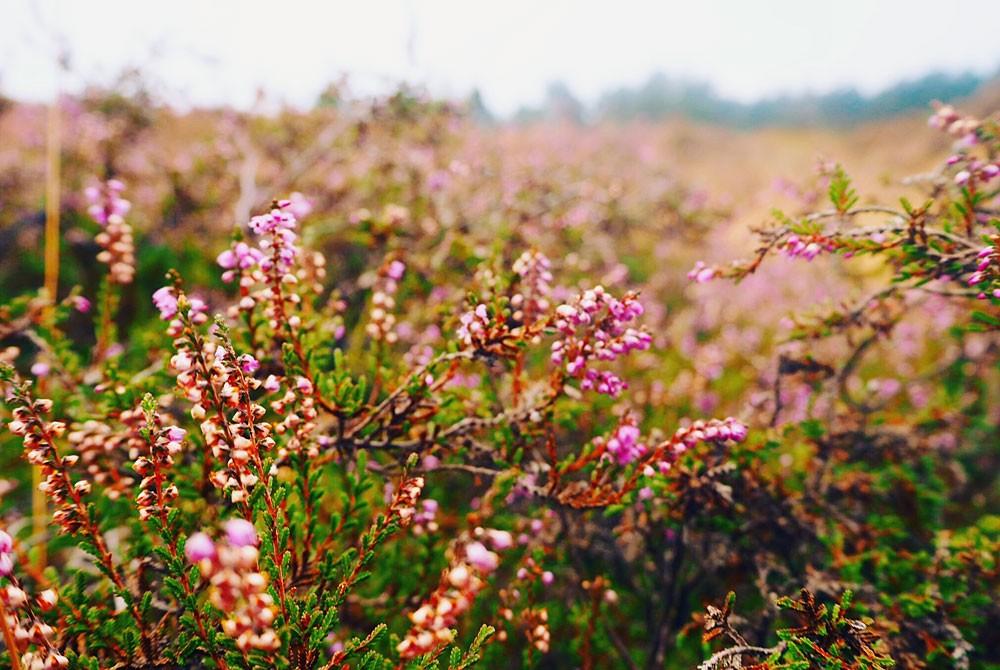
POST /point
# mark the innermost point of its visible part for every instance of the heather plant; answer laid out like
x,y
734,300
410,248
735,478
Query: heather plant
x,y
910,483
451,402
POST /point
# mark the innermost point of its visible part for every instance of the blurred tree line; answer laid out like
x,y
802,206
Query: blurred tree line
x,y
662,96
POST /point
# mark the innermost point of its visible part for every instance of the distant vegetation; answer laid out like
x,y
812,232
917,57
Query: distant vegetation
x,y
662,96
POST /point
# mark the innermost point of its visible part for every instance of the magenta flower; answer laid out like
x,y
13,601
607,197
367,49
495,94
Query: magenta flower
x,y
595,327
240,533
501,539
199,547
81,304
701,273
481,558
396,270
249,364
166,302
624,444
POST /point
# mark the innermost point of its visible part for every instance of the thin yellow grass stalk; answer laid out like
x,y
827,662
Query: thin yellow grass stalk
x,y
52,206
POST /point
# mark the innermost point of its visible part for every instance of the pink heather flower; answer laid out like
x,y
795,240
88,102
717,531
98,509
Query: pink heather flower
x,y
199,547
548,577
6,542
701,273
6,565
40,369
963,177
274,221
713,430
81,304
396,270
248,364
175,434
624,444
166,302
241,257
645,493
534,269
604,336
501,539
481,557
227,259
473,324
106,201
271,384
794,247
240,533
198,306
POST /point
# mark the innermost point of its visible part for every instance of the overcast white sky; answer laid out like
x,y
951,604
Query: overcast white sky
x,y
220,51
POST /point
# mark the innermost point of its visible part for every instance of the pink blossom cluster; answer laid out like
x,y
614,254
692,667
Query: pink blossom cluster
x,y
595,326
237,587
629,448
241,256
977,172
38,434
28,630
297,407
711,430
948,119
473,326
104,450
106,201
381,320
533,620
168,303
263,269
425,519
624,445
278,243
219,384
702,273
6,554
987,269
460,583
796,247
245,435
155,491
534,269
108,208
403,505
